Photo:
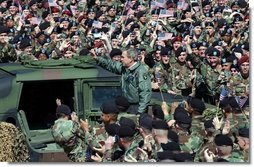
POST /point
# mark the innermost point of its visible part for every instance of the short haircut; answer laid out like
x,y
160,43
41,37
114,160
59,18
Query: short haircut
x,y
131,53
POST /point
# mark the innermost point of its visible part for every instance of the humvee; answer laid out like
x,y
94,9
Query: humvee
x,y
28,92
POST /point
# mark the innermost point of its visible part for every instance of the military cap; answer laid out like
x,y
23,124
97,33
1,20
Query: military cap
x,y
221,23
90,10
111,7
237,19
96,30
171,146
223,140
157,112
109,107
164,155
218,10
234,66
208,124
25,7
112,129
114,36
197,104
159,124
209,24
203,43
183,157
45,14
235,3
196,23
155,12
217,43
127,122
63,109
213,52
75,33
244,132
67,12
121,102
188,9
65,19
208,14
245,46
177,38
44,26
179,51
99,14
126,131
181,116
32,2
135,25
10,3
2,10
173,136
165,51
194,45
205,2
84,52
145,120
4,29
141,14
25,42
9,18
242,3
243,59
115,52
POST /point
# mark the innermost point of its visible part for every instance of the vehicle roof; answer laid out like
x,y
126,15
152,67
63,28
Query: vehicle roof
x,y
54,70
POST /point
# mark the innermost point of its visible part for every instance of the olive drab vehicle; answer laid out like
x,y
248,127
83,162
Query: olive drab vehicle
x,y
28,92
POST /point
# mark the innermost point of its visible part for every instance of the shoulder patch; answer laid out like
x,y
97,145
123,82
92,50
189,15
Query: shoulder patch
x,y
145,76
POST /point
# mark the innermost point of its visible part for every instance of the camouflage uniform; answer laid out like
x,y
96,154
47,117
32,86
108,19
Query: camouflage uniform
x,y
235,156
135,82
238,85
7,53
71,138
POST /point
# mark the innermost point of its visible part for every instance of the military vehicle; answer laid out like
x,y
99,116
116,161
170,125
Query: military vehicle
x,y
28,92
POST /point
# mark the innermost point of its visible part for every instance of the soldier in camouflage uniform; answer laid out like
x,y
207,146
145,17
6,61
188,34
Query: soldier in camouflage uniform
x,y
244,143
70,134
7,52
224,147
135,80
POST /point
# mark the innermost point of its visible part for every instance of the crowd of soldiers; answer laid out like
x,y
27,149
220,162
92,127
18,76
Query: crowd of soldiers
x,y
194,48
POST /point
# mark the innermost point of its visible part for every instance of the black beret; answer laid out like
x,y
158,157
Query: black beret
x,y
115,52
165,51
159,124
45,14
9,18
179,51
173,136
63,109
25,43
196,23
112,129
183,157
4,29
155,11
32,2
122,103
75,33
242,3
135,25
218,10
197,104
238,18
44,26
164,155
99,14
244,132
145,120
84,52
2,10
223,140
140,14
127,122
126,131
157,112
221,23
217,43
238,50
208,124
203,43
111,7
245,46
171,146
209,24
109,107
213,52
90,10
194,45
181,116
205,2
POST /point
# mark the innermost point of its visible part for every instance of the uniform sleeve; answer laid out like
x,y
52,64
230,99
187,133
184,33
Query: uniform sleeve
x,y
110,65
145,90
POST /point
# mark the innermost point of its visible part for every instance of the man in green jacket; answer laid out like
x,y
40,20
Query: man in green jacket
x,y
135,80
